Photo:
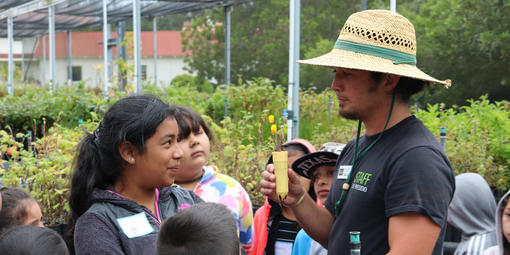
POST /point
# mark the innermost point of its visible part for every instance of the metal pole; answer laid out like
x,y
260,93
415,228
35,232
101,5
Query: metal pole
x,y
329,108
297,38
69,59
43,69
363,5
155,39
51,22
22,60
227,10
393,5
109,55
290,90
10,79
137,50
105,48
121,51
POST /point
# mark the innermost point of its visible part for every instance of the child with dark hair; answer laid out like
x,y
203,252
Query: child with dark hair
x,y
276,226
205,180
319,167
121,188
502,228
18,208
204,228
32,240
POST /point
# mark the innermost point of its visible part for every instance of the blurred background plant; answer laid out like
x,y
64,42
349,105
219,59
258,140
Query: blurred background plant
x,y
39,132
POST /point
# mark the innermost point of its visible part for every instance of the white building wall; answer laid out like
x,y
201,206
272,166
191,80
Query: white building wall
x,y
4,46
92,71
168,68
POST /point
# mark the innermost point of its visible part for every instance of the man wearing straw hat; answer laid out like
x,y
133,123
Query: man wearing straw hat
x,y
394,183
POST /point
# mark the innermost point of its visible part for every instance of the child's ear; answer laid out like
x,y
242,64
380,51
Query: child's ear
x,y
127,151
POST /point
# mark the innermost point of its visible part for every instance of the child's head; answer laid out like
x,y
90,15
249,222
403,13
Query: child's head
x,y
203,228
194,140
505,220
136,140
320,167
297,148
19,208
32,240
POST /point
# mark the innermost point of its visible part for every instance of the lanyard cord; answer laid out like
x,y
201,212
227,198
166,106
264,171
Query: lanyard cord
x,y
357,158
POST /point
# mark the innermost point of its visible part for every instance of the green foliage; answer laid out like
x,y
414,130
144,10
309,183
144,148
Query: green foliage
x,y
320,121
478,135
4,71
478,138
192,82
260,37
37,109
247,97
317,77
465,41
46,174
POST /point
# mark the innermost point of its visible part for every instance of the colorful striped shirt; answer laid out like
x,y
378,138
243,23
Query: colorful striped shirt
x,y
223,189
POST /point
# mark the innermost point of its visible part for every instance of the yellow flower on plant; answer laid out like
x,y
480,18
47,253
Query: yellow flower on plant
x,y
273,129
271,119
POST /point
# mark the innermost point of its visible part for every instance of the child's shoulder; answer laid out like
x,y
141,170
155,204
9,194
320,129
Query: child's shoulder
x,y
214,172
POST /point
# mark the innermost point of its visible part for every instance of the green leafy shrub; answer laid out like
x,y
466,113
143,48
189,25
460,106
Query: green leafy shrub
x,y
45,174
37,109
478,135
478,138
192,82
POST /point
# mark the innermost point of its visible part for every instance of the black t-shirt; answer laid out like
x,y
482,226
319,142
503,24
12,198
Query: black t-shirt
x,y
405,171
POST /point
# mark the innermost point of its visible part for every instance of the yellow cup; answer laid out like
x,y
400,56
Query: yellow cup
x,y
281,165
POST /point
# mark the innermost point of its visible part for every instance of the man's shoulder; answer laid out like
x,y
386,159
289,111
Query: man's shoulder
x,y
412,134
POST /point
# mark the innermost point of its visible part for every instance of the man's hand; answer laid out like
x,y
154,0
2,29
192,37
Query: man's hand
x,y
268,186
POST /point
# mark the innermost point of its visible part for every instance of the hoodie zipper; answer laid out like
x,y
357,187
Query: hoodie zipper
x,y
158,219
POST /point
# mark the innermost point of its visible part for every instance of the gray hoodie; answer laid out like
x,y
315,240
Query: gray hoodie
x,y
472,211
111,225
498,249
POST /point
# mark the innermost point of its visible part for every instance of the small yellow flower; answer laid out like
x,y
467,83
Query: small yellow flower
x,y
273,129
271,119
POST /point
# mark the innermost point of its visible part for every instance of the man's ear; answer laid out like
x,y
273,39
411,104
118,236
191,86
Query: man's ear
x,y
127,151
390,82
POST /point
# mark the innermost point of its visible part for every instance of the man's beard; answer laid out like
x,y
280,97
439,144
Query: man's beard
x,y
349,115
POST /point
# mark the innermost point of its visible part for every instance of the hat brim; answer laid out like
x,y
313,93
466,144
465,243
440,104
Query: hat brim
x,y
360,61
307,164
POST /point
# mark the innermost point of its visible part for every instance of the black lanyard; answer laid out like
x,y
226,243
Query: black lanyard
x,y
357,157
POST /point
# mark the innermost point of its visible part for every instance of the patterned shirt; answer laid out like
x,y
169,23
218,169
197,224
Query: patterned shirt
x,y
223,189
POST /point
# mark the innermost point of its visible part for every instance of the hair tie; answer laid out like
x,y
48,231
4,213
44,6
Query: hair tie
x,y
96,133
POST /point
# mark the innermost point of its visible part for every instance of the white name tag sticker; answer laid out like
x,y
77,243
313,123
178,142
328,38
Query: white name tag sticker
x,y
282,248
343,171
135,226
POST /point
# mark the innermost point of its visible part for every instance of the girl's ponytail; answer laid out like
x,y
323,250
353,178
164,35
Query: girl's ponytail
x,y
87,170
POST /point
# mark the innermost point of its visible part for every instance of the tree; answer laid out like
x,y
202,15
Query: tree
x,y
259,38
467,42
317,77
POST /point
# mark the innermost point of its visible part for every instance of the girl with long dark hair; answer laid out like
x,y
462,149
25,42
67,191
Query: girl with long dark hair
x,y
121,187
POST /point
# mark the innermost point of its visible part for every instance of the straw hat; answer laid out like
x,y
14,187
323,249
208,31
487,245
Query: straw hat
x,y
379,41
